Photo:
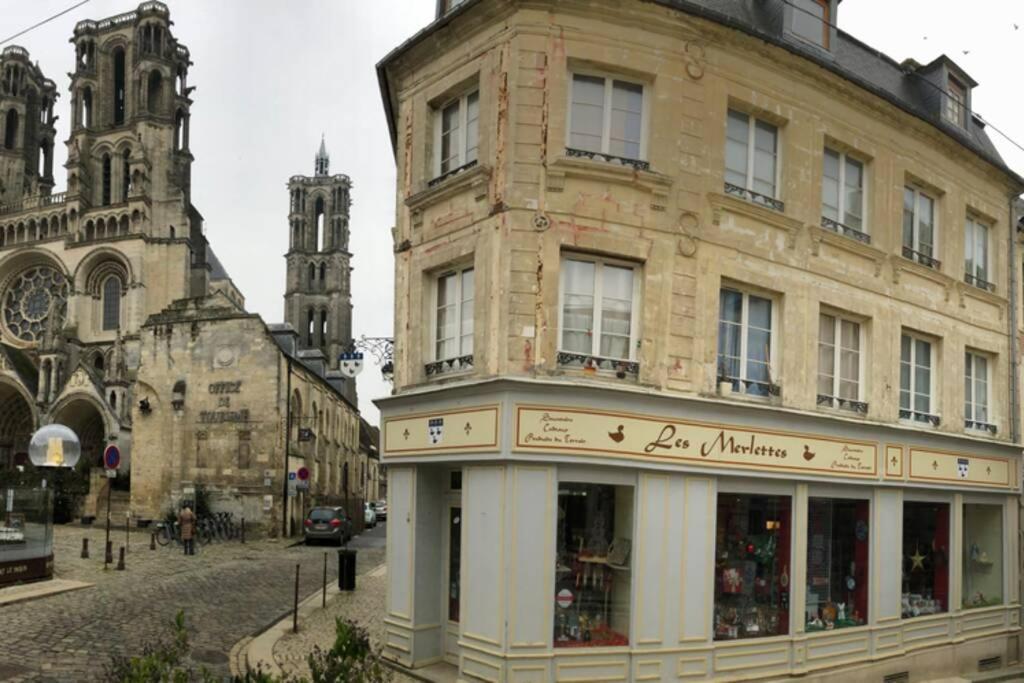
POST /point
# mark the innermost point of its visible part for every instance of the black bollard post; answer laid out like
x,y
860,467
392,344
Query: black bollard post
x,y
323,601
120,560
85,548
295,609
152,540
108,556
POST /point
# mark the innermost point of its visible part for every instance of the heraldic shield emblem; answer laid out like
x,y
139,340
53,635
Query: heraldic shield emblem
x,y
435,428
961,467
350,363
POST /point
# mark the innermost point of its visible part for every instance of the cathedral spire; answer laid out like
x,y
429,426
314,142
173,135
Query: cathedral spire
x,y
323,159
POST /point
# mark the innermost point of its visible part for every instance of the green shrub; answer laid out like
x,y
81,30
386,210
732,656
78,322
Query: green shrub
x,y
351,659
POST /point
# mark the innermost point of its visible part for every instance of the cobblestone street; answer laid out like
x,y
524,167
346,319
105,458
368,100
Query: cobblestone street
x,y
228,591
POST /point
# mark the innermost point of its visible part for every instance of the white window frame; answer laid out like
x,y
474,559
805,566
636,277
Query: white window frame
x,y
606,122
464,142
435,281
838,320
971,226
932,373
744,327
826,20
864,204
751,132
916,241
595,336
971,356
954,109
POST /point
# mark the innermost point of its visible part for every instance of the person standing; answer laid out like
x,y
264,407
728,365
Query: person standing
x,y
187,525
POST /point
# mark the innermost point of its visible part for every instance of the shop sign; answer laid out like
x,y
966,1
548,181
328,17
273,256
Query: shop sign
x,y
587,432
448,431
960,469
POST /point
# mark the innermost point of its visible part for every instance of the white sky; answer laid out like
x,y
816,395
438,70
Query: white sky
x,y
271,77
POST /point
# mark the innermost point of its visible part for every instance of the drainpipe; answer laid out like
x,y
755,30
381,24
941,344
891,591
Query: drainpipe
x,y
1016,205
287,448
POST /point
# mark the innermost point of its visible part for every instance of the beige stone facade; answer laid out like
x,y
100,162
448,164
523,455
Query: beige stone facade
x,y
507,222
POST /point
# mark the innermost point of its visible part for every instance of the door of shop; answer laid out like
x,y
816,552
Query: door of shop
x,y
452,581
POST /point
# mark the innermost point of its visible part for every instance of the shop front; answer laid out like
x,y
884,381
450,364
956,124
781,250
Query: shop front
x,y
552,534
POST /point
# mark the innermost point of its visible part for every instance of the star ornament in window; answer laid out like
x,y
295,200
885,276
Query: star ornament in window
x,y
917,559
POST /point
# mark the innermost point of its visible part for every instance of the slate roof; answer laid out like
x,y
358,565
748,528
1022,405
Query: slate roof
x,y
217,270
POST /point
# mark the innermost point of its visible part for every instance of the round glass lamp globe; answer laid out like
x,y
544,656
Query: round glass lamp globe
x,y
54,445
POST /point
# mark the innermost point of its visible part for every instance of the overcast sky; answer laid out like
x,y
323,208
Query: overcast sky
x,y
271,77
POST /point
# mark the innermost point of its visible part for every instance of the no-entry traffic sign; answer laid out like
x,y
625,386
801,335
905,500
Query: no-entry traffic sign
x,y
112,457
303,474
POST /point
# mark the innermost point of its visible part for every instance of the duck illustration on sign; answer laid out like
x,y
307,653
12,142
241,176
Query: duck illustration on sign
x,y
435,429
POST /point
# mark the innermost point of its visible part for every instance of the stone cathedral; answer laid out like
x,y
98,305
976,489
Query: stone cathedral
x,y
116,317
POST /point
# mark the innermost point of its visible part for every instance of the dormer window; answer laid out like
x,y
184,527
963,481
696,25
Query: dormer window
x,y
811,21
955,107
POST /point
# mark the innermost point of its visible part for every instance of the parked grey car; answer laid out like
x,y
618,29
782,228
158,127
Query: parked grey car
x,y
328,524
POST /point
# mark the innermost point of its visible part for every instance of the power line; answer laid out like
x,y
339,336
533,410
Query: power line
x,y
922,80
44,21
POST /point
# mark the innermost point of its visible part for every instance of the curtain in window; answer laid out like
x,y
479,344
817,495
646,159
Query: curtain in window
x,y
730,329
578,306
587,113
627,115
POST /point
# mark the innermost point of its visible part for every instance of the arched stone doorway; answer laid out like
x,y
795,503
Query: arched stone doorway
x,y
17,422
83,417
78,491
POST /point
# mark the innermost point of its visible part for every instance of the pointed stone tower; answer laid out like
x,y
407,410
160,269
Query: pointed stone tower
x,y
318,300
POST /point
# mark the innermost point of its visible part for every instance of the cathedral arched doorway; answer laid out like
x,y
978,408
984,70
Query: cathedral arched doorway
x,y
17,422
83,417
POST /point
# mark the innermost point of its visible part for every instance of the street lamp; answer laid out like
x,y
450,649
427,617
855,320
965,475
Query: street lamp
x,y
54,445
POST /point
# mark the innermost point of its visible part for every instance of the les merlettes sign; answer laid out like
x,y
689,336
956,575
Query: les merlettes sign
x,y
638,436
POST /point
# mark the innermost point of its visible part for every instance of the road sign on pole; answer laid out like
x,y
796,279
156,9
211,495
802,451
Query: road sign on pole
x,y
112,457
303,474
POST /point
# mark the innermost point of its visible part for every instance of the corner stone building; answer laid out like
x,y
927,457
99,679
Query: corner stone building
x,y
706,353
117,319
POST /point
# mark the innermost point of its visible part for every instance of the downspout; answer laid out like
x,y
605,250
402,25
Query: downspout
x,y
287,447
1014,299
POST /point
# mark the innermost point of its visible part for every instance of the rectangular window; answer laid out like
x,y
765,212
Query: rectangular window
x,y
916,380
919,227
983,555
752,545
976,254
842,192
599,306
838,541
976,415
453,315
457,133
811,21
925,559
751,154
593,565
839,342
956,103
606,116
745,342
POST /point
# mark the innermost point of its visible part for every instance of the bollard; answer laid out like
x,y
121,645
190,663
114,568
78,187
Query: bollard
x,y
323,601
120,560
85,548
295,609
243,529
152,540
108,556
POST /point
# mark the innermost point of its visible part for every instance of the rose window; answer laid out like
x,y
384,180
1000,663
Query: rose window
x,y
30,298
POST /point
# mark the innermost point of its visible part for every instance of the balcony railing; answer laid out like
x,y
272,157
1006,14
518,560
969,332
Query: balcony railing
x,y
754,197
923,259
36,202
449,365
610,158
752,387
981,426
979,282
843,403
621,368
845,230
454,172
918,416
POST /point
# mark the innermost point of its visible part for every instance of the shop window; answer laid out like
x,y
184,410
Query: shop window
x,y
838,541
454,562
592,566
983,555
925,558
752,544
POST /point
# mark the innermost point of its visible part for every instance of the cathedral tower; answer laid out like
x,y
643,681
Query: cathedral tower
x,y
26,128
318,301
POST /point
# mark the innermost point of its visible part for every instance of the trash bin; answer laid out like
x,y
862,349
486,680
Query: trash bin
x,y
346,569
